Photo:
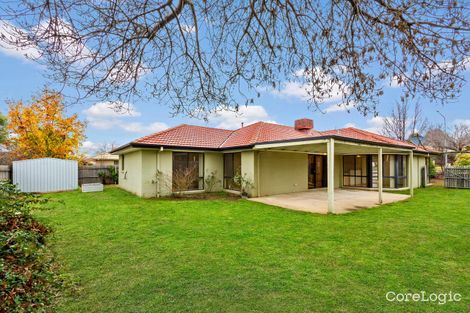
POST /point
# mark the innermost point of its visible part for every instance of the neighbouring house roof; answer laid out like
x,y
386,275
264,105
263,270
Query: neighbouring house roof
x,y
190,136
104,157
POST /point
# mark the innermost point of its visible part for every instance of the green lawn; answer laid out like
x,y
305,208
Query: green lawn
x,y
136,255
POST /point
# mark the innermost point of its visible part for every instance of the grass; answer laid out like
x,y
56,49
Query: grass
x,y
136,255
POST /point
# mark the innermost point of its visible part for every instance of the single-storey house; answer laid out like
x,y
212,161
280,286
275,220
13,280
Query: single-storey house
x,y
276,159
103,160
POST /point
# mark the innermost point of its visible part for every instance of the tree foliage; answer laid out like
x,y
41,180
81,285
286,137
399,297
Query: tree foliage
x,y
462,159
3,128
41,129
200,56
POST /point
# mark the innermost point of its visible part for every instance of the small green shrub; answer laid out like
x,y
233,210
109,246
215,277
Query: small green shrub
x,y
27,280
111,173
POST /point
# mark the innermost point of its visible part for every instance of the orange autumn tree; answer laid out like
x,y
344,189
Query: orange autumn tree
x,y
41,129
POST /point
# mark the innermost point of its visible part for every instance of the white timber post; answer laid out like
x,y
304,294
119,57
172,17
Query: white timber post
x,y
330,147
410,173
380,174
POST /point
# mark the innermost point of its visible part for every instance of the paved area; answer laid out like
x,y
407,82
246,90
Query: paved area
x,y
316,201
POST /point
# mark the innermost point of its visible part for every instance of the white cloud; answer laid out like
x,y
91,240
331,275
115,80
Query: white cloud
x,y
188,28
246,115
375,124
349,125
338,107
89,147
462,121
112,115
324,90
111,109
137,127
10,33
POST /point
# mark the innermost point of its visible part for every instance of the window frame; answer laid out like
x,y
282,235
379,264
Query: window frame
x,y
226,178
199,179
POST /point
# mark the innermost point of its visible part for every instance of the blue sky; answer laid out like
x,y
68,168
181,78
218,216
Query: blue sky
x,y
21,78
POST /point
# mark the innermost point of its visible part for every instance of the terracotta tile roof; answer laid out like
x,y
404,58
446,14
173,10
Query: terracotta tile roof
x,y
187,136
261,132
359,134
265,132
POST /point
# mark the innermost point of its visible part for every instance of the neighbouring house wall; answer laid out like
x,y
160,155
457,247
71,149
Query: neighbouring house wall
x,y
282,172
214,163
130,178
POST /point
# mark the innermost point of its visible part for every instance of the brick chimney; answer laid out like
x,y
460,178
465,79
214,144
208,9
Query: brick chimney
x,y
303,124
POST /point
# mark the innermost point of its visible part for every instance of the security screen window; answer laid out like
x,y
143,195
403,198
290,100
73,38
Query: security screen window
x,y
394,171
232,168
355,170
188,171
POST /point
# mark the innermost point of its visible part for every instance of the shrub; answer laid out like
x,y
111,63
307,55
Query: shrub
x,y
463,159
184,179
112,173
245,183
27,281
211,181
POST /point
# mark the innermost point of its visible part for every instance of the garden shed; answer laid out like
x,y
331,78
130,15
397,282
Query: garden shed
x,y
45,175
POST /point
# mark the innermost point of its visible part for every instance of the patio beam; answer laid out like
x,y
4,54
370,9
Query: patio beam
x,y
403,150
330,147
410,173
380,174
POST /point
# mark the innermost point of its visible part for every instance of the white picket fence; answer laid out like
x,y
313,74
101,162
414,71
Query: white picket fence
x,y
45,175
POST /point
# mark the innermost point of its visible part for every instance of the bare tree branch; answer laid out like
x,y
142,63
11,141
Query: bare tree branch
x,y
202,56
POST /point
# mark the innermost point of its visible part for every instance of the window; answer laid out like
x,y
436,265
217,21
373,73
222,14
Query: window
x,y
356,170
188,171
232,168
122,162
394,171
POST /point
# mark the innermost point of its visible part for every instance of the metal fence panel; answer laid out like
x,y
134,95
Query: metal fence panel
x,y
457,177
45,175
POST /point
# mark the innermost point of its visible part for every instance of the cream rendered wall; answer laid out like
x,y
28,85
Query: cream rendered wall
x,y
282,172
214,162
338,171
149,170
140,169
165,166
419,162
130,178
249,170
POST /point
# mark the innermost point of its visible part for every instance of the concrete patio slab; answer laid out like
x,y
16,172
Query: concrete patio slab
x,y
316,201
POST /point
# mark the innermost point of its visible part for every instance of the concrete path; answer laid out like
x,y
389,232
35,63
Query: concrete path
x,y
316,201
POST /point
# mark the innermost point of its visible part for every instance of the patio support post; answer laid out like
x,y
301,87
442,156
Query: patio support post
x,y
410,173
330,147
380,174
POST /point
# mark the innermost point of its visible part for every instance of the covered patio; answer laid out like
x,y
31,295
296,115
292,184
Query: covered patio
x,y
331,197
316,200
